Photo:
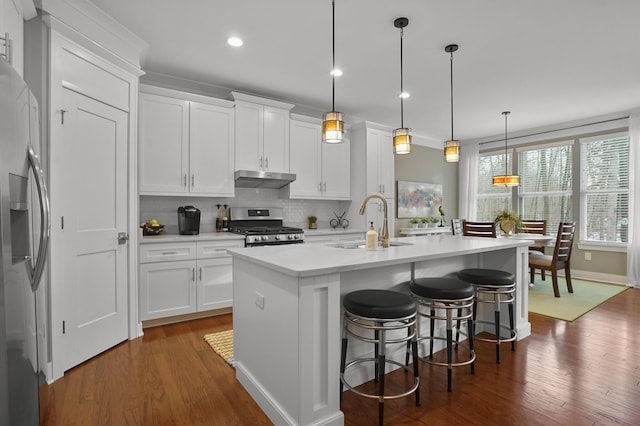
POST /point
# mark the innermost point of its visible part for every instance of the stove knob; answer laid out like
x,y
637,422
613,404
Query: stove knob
x,y
296,236
290,236
265,238
278,237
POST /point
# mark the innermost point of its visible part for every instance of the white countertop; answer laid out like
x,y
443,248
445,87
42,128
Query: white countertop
x,y
176,238
303,260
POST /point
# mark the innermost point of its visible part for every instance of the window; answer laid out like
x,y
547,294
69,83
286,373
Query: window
x,y
492,199
604,188
545,190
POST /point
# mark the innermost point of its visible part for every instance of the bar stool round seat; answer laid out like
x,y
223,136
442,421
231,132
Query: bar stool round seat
x,y
449,300
381,317
496,287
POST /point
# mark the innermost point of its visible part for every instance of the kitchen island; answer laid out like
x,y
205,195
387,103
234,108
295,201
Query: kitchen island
x,y
287,311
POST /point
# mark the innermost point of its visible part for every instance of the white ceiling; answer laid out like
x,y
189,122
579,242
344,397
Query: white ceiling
x,y
547,61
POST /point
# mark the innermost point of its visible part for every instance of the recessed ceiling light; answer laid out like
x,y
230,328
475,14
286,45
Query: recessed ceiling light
x,y
234,41
404,95
336,72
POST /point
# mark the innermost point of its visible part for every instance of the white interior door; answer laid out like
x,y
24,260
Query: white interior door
x,y
89,265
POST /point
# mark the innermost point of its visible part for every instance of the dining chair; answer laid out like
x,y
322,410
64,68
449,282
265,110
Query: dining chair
x,y
478,229
456,226
560,258
535,226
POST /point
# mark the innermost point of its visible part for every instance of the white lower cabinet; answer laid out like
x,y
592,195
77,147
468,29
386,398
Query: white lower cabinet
x,y
183,278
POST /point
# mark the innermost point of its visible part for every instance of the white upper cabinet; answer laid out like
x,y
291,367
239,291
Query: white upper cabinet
x,y
12,16
261,134
322,170
186,147
380,162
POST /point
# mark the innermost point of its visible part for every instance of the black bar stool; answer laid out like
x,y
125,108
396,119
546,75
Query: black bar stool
x,y
493,286
381,317
445,299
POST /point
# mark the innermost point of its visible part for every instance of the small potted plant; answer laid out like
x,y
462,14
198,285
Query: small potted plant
x,y
424,221
508,222
414,221
432,221
313,222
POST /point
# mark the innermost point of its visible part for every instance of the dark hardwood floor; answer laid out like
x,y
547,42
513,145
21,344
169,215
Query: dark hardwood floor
x,y
585,372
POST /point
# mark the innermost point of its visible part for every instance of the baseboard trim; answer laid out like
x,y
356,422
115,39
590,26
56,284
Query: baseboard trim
x,y
593,276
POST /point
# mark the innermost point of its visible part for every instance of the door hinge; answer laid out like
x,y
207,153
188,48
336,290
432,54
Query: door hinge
x,y
64,328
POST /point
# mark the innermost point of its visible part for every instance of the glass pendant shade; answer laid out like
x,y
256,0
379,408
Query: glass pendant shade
x,y
401,141
451,151
333,127
506,180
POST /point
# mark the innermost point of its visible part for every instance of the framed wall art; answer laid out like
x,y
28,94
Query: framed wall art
x,y
418,199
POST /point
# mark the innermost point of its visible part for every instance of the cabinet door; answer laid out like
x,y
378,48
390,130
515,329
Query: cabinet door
x,y
11,23
215,284
167,288
386,163
276,140
249,135
380,162
164,144
211,162
306,160
335,171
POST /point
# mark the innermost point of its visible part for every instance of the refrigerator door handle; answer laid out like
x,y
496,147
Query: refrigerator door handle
x,y
35,272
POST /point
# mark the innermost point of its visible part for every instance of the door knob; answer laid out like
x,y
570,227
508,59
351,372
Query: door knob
x,y
123,237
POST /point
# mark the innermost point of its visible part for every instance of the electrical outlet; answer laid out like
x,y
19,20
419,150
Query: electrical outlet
x,y
259,300
587,255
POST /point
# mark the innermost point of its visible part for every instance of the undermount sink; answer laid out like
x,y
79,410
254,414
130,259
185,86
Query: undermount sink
x,y
361,244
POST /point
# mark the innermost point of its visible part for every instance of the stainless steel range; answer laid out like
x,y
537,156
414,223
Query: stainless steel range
x,y
263,227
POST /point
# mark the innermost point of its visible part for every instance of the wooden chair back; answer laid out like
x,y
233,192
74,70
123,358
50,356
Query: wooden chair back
x,y
534,226
564,244
478,229
456,226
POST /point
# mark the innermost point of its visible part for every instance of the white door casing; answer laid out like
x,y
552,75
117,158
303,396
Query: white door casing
x,y
91,196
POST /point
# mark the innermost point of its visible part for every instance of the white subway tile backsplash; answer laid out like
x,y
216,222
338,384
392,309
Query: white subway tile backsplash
x,y
164,208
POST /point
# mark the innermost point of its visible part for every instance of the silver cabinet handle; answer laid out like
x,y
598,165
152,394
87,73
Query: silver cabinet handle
x,y
260,163
184,180
266,163
324,187
193,180
193,274
200,273
35,272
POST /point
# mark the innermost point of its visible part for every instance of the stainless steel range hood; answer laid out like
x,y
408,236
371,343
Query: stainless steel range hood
x,y
255,179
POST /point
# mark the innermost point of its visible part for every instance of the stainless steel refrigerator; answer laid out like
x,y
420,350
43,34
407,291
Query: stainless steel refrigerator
x,y
24,233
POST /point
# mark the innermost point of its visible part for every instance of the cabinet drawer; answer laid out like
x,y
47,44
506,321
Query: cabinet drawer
x,y
213,249
167,252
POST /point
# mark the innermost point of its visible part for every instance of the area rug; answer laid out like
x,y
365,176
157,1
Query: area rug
x,y
569,306
222,344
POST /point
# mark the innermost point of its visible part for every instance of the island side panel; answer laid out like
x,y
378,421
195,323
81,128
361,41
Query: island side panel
x,y
287,351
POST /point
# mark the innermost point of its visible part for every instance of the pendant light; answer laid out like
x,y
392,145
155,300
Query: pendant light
x,y
506,179
452,146
333,124
401,136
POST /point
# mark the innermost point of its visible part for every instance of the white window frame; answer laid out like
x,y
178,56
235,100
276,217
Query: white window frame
x,y
583,243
